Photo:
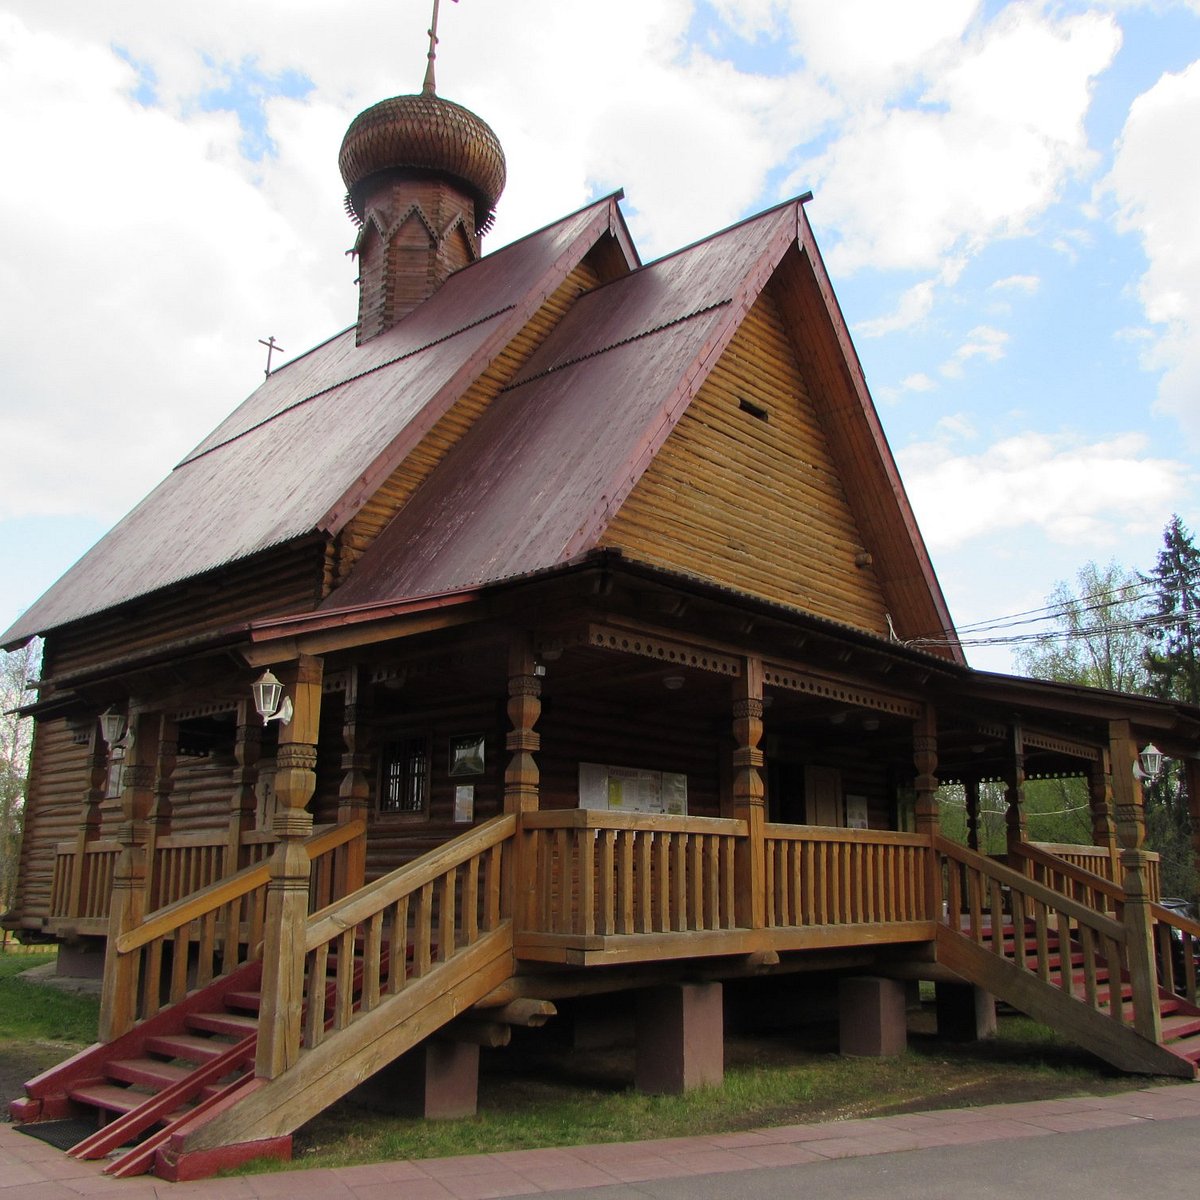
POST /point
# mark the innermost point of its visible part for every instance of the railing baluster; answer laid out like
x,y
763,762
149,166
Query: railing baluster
x,y
423,932
695,883
314,1013
446,922
343,996
645,921
398,947
372,960
679,882
662,882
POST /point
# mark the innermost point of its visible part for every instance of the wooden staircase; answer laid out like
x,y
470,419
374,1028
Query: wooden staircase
x,y
1062,962
184,1093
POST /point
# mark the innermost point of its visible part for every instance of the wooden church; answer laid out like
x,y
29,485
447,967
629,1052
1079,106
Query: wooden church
x,y
560,629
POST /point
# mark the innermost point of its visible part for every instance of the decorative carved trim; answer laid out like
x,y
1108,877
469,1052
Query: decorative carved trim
x,y
1059,745
603,637
843,693
749,707
208,709
137,776
293,756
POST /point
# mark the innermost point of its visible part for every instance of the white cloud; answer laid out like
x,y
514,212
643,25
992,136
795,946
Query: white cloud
x,y
1156,182
982,342
1028,284
915,305
1079,494
979,158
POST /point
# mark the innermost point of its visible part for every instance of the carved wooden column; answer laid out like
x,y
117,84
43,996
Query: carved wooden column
x,y
89,826
243,811
750,856
971,790
287,892
162,810
1015,827
118,996
1139,925
521,776
925,784
355,792
1100,801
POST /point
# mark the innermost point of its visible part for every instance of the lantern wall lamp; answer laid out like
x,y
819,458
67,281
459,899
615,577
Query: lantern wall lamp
x,y
1148,763
114,729
269,699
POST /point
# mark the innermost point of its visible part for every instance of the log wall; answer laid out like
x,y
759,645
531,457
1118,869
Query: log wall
x,y
745,490
58,779
283,581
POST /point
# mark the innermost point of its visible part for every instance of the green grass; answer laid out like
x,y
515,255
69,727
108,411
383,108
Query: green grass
x,y
569,1098
35,1012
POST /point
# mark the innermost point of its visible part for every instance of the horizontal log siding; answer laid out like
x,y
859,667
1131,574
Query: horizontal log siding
x,y
284,581
394,840
596,734
754,504
58,780
371,519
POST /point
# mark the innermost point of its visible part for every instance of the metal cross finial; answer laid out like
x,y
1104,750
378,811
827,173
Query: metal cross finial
x,y
429,88
271,346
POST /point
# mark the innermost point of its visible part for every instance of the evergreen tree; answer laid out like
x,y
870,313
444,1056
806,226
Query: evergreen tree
x,y
1174,617
1173,673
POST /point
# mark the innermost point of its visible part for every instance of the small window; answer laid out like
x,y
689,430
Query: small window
x,y
755,410
404,777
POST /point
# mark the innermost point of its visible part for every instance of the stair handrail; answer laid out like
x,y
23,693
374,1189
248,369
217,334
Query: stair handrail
x,y
191,908
446,880
1014,880
326,923
1077,874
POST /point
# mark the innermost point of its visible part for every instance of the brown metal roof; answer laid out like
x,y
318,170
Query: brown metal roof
x,y
534,481
306,449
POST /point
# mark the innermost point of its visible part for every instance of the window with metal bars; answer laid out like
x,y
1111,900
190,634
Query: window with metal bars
x,y
404,777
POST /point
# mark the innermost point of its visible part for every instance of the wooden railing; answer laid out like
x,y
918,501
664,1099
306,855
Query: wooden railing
x,y
1177,946
605,873
819,876
189,943
397,928
982,897
1066,876
185,863
99,861
1099,861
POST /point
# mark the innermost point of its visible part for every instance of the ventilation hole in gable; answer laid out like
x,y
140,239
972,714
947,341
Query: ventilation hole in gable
x,y
755,410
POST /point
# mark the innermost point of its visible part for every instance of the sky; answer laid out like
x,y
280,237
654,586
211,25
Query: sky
x,y
1005,195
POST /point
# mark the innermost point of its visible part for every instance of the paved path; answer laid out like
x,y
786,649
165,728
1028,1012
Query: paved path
x,y
1143,1141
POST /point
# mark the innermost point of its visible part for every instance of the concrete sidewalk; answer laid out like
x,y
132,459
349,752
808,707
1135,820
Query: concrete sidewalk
x,y
31,1170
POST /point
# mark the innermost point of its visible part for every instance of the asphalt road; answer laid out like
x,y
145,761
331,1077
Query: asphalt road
x,y
1158,1160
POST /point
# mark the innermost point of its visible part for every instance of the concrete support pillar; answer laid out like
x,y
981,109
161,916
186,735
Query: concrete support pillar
x,y
965,1013
871,1017
438,1080
680,1038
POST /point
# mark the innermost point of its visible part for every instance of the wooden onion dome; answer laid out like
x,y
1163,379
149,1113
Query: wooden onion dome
x,y
423,176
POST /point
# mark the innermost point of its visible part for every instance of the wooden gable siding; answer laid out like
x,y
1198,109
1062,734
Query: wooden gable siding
x,y
370,521
58,779
277,582
745,491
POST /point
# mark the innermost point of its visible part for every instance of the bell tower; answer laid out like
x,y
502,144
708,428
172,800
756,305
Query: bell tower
x,y
422,176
